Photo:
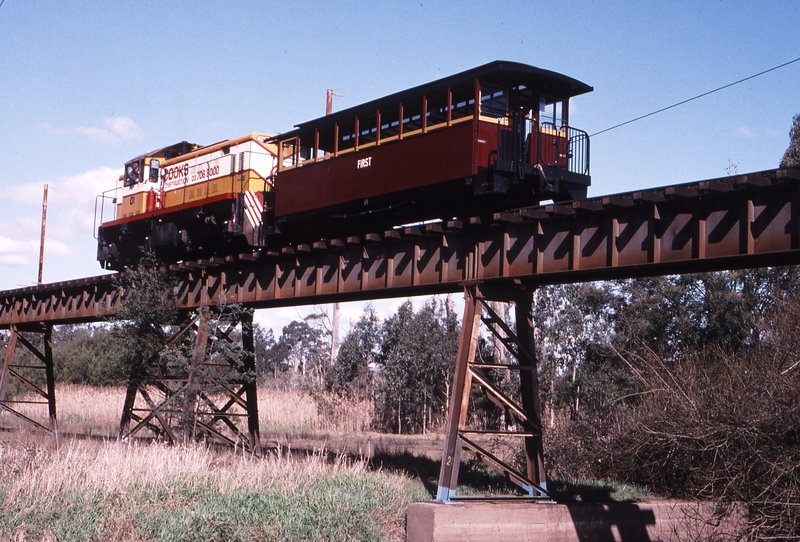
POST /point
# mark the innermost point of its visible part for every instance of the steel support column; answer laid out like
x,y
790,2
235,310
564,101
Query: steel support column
x,y
459,395
249,381
206,397
524,415
529,388
25,373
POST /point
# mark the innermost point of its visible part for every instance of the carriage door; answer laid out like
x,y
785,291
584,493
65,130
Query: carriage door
x,y
552,144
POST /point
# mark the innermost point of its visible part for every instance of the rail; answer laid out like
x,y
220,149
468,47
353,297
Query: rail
x,y
100,204
578,153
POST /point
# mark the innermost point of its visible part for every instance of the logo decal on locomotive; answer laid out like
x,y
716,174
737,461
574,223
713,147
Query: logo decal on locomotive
x,y
175,172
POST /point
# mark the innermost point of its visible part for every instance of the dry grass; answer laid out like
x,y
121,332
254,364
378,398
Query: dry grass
x,y
44,468
297,411
90,490
80,409
96,411
68,488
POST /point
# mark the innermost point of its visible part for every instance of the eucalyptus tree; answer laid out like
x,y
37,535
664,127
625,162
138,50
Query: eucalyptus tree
x,y
792,155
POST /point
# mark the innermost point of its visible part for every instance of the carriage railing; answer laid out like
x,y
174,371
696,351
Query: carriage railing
x,y
563,147
578,144
522,140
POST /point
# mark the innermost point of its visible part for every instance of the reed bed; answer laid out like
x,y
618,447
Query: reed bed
x,y
298,411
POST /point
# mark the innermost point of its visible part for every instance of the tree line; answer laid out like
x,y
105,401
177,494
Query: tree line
x,y
688,385
402,365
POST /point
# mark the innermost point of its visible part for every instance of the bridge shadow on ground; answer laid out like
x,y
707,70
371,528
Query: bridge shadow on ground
x,y
596,514
474,478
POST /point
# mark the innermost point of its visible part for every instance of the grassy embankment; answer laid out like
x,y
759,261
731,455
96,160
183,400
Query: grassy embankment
x,y
93,489
76,488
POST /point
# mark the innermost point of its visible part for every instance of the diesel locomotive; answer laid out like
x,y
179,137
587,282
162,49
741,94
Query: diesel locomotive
x,y
493,138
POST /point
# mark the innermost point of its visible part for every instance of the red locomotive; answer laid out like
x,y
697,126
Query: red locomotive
x,y
489,139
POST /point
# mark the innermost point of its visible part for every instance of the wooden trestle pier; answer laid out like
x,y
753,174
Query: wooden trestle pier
x,y
742,221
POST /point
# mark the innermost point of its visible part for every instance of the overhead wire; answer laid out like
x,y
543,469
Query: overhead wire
x,y
697,97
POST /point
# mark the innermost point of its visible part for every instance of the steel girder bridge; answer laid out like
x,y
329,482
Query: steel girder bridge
x,y
742,221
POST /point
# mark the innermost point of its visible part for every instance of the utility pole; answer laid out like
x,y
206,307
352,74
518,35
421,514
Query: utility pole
x,y
41,242
329,101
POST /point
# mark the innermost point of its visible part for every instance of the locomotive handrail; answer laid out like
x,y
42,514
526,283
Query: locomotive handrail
x,y
102,196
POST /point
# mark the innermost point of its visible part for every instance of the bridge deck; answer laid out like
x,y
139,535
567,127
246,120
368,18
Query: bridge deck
x,y
749,220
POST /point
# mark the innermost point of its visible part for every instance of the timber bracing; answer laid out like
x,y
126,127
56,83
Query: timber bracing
x,y
35,375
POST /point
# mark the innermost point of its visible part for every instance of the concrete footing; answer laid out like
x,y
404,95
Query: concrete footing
x,y
576,522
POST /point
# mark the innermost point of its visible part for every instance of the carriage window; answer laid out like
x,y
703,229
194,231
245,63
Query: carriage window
x,y
412,117
367,129
437,109
526,98
463,102
550,112
494,101
288,157
306,147
390,123
347,136
326,141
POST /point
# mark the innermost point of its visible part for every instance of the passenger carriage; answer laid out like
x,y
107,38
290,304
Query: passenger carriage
x,y
488,139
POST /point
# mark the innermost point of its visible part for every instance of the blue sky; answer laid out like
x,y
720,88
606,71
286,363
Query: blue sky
x,y
86,85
